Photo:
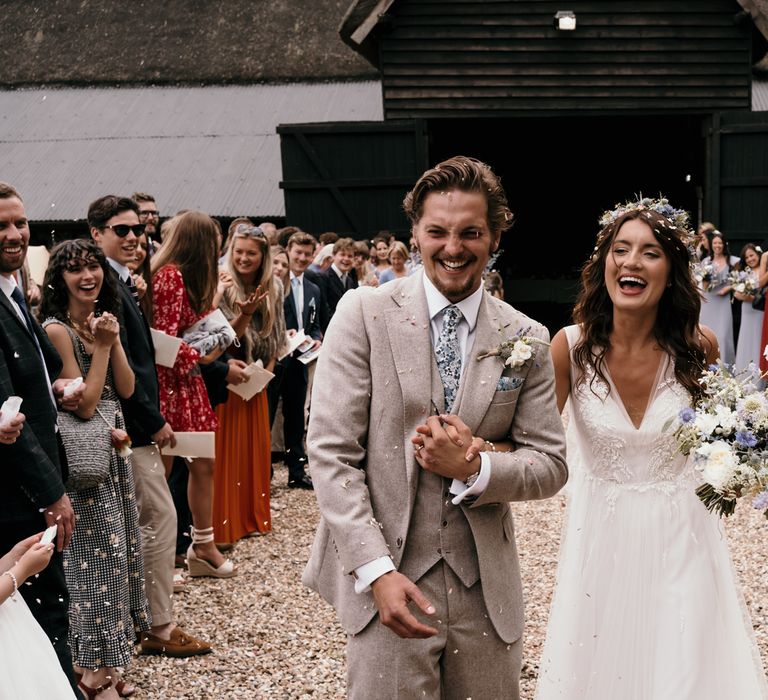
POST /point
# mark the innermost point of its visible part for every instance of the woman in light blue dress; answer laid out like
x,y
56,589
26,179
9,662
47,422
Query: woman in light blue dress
x,y
748,345
716,309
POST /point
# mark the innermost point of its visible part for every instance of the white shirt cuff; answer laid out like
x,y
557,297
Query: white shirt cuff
x,y
460,489
366,574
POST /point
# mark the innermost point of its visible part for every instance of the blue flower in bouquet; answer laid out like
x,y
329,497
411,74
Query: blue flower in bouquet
x,y
687,415
746,438
760,502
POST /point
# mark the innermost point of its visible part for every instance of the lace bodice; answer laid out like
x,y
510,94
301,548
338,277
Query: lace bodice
x,y
611,448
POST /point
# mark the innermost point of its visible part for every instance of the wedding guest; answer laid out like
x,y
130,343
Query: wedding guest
x,y
142,275
748,346
148,215
28,665
107,598
363,268
323,259
716,310
280,267
301,308
380,255
270,232
328,237
646,603
254,305
398,259
340,277
705,230
114,222
183,284
494,284
33,472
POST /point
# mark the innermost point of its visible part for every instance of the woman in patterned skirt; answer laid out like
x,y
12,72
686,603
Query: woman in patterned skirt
x,y
103,565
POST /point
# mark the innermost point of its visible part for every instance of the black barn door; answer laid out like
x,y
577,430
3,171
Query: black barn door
x,y
350,177
737,201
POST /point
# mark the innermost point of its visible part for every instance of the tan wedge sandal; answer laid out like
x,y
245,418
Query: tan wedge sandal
x,y
201,567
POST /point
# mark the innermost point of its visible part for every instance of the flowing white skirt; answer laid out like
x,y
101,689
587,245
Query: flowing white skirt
x,y
29,667
646,605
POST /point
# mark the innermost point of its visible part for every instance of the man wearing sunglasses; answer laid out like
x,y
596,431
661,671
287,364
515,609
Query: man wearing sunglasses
x,y
115,226
148,215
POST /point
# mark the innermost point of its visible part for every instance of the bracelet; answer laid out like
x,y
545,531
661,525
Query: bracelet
x,y
491,445
15,582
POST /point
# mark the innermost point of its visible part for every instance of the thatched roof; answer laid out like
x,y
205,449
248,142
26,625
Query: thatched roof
x,y
110,42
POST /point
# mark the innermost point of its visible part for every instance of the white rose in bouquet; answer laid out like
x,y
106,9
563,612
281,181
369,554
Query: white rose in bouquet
x,y
720,463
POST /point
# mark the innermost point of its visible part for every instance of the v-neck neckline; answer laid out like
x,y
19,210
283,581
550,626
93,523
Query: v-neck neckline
x,y
660,372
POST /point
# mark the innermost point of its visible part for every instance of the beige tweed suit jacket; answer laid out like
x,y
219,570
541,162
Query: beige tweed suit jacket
x,y
372,388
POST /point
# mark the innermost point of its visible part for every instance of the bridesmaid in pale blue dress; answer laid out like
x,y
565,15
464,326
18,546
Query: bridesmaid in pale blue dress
x,y
748,345
716,309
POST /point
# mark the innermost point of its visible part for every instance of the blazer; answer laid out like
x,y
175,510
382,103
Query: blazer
x,y
313,301
33,472
335,289
142,409
363,467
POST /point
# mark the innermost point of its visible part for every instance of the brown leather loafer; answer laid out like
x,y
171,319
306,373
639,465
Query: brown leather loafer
x,y
180,645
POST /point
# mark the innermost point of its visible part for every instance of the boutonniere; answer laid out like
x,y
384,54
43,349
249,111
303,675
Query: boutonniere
x,y
515,351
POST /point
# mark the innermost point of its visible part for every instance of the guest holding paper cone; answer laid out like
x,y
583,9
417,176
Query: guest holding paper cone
x,y
254,305
184,282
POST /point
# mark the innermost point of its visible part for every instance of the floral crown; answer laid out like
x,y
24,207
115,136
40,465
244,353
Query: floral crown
x,y
678,218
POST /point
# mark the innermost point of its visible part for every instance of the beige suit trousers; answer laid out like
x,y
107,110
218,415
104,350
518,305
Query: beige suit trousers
x,y
157,521
466,659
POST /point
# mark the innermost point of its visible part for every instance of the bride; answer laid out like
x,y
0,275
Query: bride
x,y
646,605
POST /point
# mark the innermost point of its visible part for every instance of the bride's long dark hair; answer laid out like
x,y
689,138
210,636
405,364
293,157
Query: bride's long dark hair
x,y
677,322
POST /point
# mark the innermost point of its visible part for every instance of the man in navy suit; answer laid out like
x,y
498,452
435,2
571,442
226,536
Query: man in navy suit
x,y
115,225
302,307
34,468
340,277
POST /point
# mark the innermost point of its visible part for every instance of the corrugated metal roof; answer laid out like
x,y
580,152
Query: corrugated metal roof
x,y
759,95
209,148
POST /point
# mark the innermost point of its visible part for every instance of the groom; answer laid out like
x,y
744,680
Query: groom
x,y
413,535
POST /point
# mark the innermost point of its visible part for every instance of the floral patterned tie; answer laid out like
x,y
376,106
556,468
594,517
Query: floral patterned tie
x,y
448,355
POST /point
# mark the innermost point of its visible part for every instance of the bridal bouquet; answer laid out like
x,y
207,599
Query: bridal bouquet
x,y
742,281
704,274
726,434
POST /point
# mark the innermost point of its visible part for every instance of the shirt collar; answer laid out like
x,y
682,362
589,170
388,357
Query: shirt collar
x,y
297,277
338,272
469,306
8,284
122,271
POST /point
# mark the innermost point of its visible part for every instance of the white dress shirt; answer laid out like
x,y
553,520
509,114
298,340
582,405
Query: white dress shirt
x,y
122,271
7,285
366,574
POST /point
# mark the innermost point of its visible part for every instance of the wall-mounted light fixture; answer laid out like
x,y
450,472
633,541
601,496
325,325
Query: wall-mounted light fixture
x,y
565,20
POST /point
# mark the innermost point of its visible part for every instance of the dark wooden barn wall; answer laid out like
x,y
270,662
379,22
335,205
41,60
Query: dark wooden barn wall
x,y
503,57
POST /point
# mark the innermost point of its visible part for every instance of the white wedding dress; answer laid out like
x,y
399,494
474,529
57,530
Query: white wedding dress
x,y
646,605
29,667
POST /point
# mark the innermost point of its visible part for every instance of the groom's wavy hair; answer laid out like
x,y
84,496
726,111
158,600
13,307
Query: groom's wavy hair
x,y
466,174
677,323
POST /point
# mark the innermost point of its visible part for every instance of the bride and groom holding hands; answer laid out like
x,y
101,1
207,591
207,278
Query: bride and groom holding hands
x,y
450,409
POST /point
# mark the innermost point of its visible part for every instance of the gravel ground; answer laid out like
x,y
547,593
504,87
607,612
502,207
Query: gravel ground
x,y
276,639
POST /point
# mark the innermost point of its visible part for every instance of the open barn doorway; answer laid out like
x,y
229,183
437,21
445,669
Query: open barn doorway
x,y
560,174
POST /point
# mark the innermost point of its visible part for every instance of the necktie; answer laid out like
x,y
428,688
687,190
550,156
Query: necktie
x,y
133,290
448,355
296,287
18,297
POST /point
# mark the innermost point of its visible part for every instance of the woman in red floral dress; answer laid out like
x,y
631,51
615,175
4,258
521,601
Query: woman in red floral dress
x,y
184,280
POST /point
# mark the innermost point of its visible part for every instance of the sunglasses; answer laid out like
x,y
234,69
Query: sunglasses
x,y
149,213
122,230
246,230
